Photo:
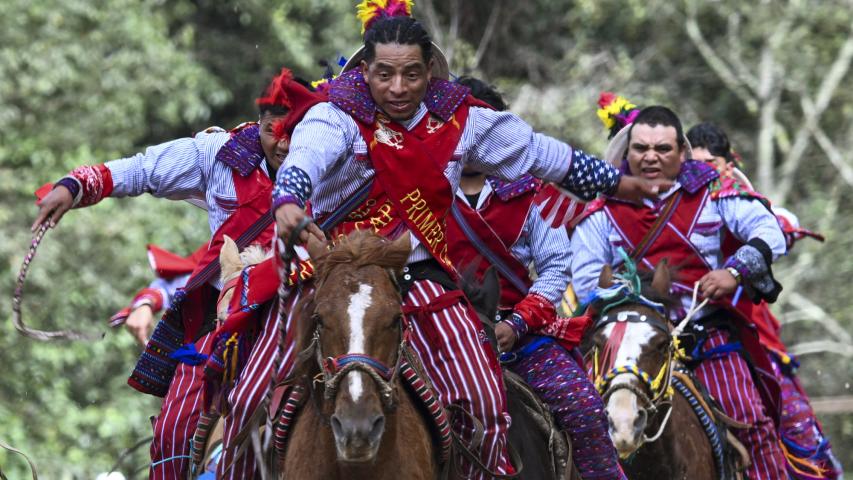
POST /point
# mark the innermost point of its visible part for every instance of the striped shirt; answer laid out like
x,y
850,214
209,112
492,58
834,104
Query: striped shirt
x,y
595,240
328,146
548,249
182,169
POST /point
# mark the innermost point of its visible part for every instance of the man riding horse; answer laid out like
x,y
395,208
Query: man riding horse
x,y
686,225
807,449
386,153
229,173
497,224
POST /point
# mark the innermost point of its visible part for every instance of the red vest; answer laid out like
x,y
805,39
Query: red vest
x,y
479,239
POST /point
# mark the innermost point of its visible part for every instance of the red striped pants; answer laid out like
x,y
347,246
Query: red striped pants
x,y
463,369
175,425
251,389
729,381
451,346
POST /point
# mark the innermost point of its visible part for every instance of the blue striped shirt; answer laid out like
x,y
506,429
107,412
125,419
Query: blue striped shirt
x,y
548,249
327,142
182,169
595,240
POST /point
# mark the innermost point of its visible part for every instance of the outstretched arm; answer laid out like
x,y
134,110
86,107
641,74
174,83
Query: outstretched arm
x,y
177,169
503,144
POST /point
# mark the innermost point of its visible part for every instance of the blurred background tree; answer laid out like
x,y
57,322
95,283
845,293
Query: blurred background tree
x,y
87,81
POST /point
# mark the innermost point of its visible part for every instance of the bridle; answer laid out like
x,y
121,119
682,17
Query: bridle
x,y
334,369
659,387
627,291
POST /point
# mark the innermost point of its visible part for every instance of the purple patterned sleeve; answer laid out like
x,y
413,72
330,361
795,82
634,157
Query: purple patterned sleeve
x,y
73,186
589,176
518,325
293,186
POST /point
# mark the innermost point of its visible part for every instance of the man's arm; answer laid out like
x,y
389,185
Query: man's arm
x,y
550,252
323,137
552,257
752,223
591,251
503,144
177,169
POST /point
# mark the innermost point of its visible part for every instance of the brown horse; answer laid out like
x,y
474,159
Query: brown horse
x,y
653,426
358,421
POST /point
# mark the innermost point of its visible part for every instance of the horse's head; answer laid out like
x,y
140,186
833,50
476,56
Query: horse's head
x,y
632,352
357,324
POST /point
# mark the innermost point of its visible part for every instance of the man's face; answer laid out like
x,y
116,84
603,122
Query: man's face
x,y
653,152
274,150
703,155
398,79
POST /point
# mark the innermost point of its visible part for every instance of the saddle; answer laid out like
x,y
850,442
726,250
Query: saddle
x,y
730,456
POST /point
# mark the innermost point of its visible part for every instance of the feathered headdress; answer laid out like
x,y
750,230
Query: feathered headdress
x,y
615,112
276,92
285,92
370,11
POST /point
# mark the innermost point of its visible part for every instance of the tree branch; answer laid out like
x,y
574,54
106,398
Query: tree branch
x,y
819,315
822,346
453,34
491,24
826,90
718,65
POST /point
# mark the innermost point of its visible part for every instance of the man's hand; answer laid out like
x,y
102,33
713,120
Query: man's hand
x,y
635,189
139,323
287,218
505,335
717,284
53,206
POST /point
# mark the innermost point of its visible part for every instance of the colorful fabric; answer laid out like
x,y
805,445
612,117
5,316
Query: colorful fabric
x,y
175,425
483,236
251,389
464,371
729,381
807,450
563,385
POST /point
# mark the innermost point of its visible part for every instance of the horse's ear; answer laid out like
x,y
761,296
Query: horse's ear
x,y
661,282
229,257
403,246
605,278
316,247
491,289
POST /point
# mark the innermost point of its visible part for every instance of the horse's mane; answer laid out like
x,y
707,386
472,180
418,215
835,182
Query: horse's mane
x,y
360,249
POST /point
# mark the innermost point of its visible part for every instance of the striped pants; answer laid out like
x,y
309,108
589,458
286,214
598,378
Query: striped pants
x,y
730,383
463,369
451,347
251,389
175,425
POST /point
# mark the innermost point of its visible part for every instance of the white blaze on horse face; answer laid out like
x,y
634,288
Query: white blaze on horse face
x,y
359,302
622,406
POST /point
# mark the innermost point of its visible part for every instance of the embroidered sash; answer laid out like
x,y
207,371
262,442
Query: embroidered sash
x,y
410,189
490,233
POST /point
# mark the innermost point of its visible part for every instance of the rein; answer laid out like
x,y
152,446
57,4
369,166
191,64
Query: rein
x,y
17,299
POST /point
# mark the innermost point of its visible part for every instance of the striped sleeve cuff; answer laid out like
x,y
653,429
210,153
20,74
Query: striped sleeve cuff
x,y
293,186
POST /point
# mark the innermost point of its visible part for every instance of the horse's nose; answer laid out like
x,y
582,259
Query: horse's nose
x,y
357,438
640,423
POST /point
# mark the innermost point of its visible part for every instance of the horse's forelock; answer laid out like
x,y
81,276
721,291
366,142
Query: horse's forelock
x,y
362,249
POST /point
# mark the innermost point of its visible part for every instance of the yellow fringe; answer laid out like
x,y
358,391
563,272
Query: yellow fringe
x,y
368,10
